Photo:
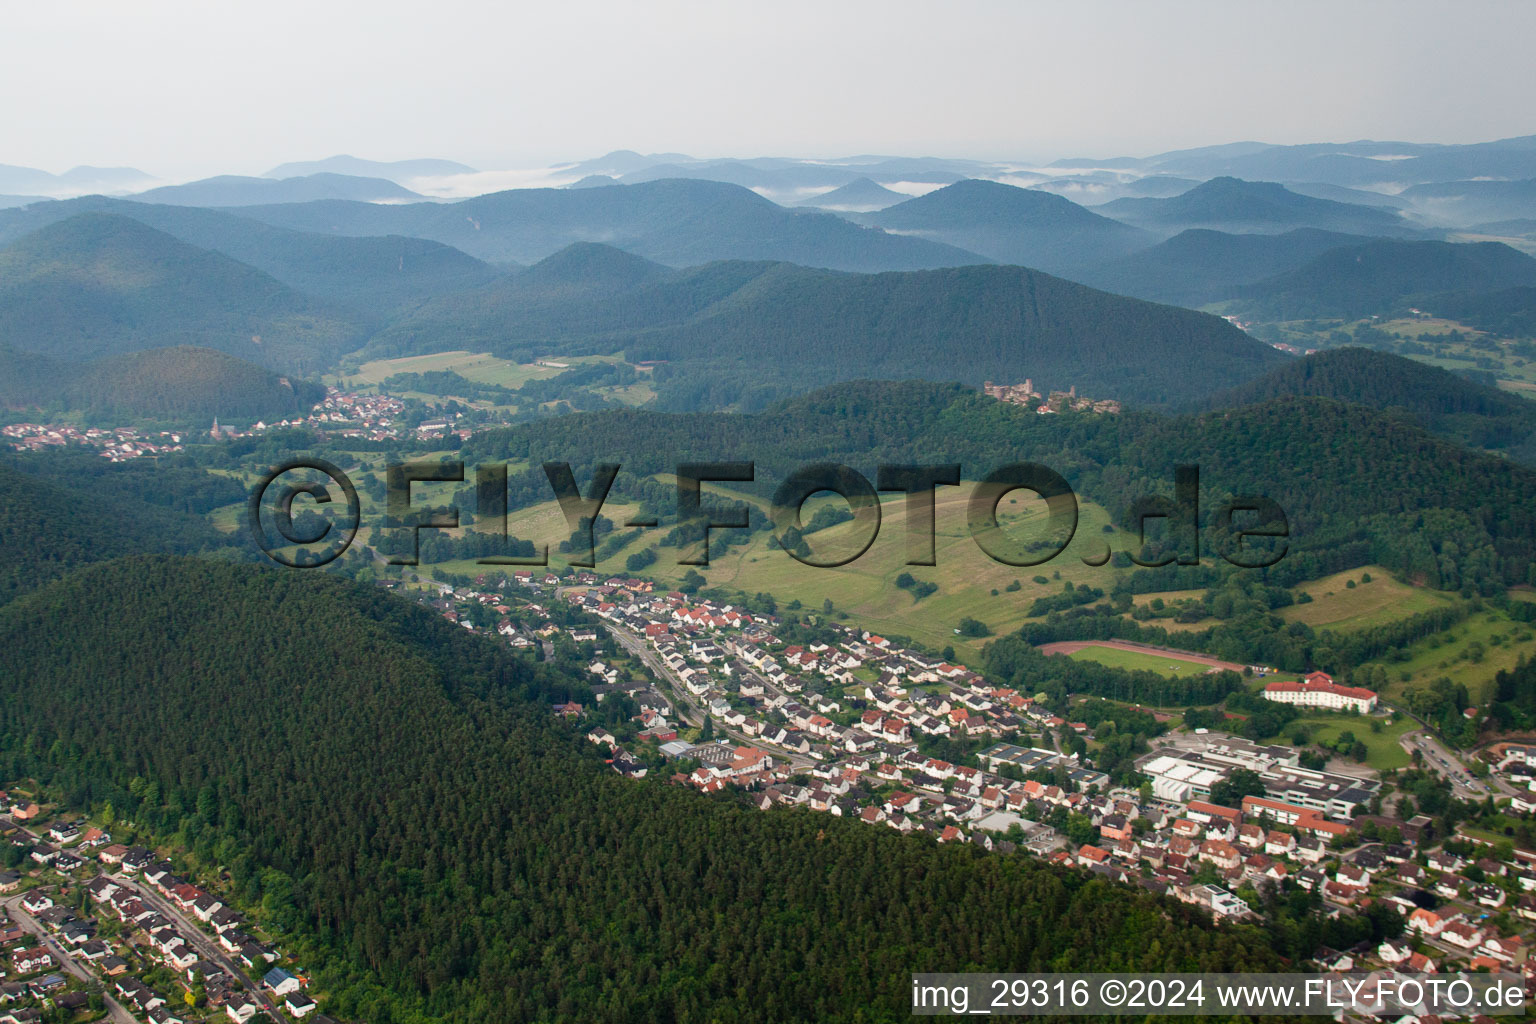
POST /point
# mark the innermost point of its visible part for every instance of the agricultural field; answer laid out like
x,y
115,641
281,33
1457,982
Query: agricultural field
x,y
1336,605
482,367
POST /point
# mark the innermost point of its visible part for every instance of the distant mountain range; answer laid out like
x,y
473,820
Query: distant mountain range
x,y
861,195
782,178
1098,187
102,285
677,222
233,190
393,170
742,334
79,180
372,277
1470,202
1354,164
1233,205
1014,225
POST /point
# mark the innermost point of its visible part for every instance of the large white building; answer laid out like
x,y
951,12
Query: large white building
x,y
1318,690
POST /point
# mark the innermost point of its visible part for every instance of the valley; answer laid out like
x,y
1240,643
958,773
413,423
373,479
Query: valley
x,y
327,702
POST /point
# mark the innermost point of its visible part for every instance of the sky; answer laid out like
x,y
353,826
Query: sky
x,y
181,89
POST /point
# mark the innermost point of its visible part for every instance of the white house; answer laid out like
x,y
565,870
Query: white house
x,y
1318,690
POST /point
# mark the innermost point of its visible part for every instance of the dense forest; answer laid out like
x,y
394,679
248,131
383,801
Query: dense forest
x,y
1445,403
1200,265
179,383
48,526
395,791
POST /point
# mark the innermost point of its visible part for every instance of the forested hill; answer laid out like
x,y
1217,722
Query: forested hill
x,y
179,383
1384,276
1199,265
1015,225
48,527
1446,403
397,789
1358,484
743,334
101,284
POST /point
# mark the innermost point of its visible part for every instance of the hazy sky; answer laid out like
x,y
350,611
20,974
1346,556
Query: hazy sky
x,y
181,88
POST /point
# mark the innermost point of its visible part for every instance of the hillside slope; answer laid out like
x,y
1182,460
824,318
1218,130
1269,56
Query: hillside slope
x,y
180,382
49,527
372,277
1443,402
1382,276
100,285
454,853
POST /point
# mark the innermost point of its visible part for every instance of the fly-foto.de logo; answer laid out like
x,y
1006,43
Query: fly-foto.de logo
x,y
286,521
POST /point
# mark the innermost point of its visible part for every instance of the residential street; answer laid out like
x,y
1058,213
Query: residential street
x,y
689,709
67,960
193,930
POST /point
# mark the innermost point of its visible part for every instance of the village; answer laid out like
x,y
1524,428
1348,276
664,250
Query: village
x,y
840,728
115,444
358,416
93,929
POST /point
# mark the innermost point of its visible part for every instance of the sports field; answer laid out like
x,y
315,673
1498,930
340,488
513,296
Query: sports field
x,y
1119,654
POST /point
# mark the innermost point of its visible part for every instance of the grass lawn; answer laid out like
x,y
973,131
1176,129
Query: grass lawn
x,y
1385,753
1335,605
1114,657
1443,655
